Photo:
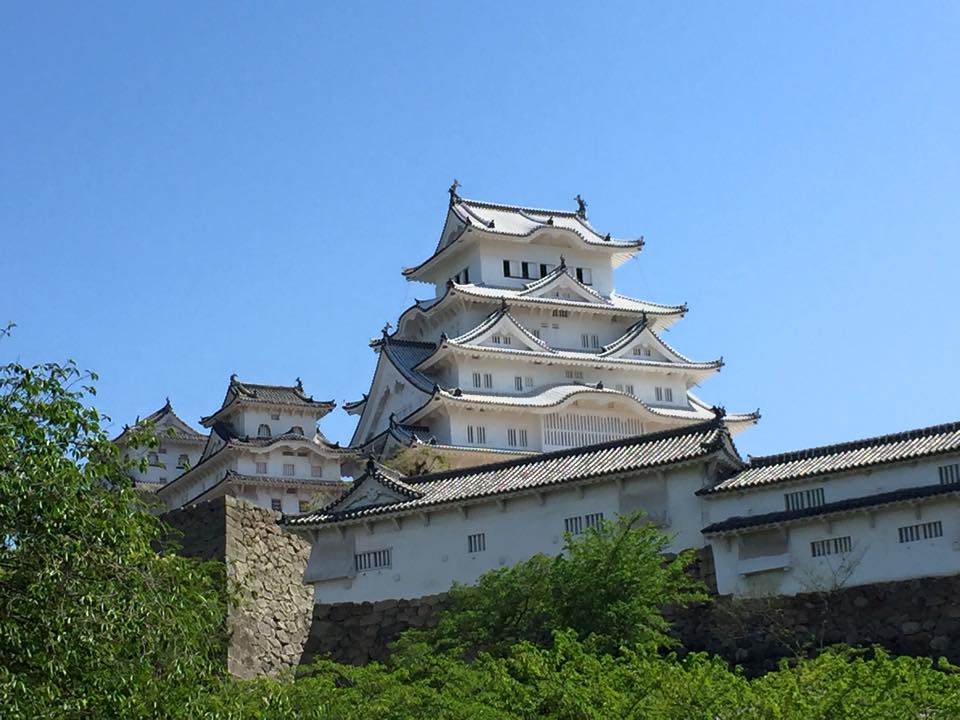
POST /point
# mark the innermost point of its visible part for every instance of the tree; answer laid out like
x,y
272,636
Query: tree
x,y
610,588
420,460
93,621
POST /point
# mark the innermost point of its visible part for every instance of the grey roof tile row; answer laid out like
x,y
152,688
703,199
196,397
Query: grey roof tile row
x,y
842,457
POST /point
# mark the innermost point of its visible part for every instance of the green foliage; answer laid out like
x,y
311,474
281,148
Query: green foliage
x,y
418,461
93,622
610,588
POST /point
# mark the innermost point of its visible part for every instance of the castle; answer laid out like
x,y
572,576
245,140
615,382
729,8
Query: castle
x,y
556,404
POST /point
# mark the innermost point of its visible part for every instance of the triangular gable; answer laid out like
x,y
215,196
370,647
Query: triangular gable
x,y
373,489
563,286
634,344
501,330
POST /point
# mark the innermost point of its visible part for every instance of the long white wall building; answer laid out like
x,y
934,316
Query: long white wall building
x,y
874,510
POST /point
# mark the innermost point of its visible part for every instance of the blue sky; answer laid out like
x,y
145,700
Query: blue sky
x,y
193,189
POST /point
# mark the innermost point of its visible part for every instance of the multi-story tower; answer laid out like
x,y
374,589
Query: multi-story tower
x,y
526,347
179,448
264,447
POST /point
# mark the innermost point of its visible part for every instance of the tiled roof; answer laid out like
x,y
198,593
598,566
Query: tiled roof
x,y
770,469
406,355
522,222
546,470
258,393
517,220
166,419
840,506
234,478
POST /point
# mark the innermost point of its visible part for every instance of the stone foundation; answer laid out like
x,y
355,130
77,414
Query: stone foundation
x,y
915,617
268,625
357,633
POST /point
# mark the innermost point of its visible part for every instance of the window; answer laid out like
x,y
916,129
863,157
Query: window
x,y
555,326
462,277
303,506
594,341
501,339
640,350
289,469
153,459
546,269
573,525
162,450
183,461
831,546
629,390
477,434
487,380
261,468
476,380
663,394
585,340
316,471
575,374
517,437
511,268
163,479
804,499
561,313
527,268
536,333
518,383
274,416
528,382
288,453
297,429
275,504
949,474
923,531
585,276
476,542
593,520
263,431
372,559
563,430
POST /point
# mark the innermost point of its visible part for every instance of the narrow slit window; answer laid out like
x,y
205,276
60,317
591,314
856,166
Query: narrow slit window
x,y
573,525
476,543
949,474
373,559
831,546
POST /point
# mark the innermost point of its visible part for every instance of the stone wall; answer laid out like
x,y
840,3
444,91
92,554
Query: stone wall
x,y
915,617
357,633
912,617
268,624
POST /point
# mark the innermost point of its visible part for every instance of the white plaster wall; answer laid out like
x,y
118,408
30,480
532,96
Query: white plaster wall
x,y
838,487
495,252
428,557
544,373
168,454
877,555
248,421
402,399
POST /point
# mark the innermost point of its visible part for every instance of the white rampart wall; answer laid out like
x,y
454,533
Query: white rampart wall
x,y
876,555
427,556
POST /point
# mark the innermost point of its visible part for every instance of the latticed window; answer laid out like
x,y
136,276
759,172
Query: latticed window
x,y
593,520
949,474
488,380
261,468
296,429
573,525
477,434
573,429
263,431
153,459
476,542
316,471
831,546
289,469
804,499
372,559
922,531
476,379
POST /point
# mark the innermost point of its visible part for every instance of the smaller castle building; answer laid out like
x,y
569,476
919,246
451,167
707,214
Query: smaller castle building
x,y
180,448
265,447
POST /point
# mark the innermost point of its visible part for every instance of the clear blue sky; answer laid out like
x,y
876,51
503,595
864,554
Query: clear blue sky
x,y
193,189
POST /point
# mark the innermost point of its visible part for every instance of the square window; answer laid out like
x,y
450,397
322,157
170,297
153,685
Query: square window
x,y
261,468
289,469
303,506
476,543
276,504
316,471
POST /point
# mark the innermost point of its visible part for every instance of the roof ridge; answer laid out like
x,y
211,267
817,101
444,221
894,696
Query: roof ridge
x,y
712,423
836,448
518,208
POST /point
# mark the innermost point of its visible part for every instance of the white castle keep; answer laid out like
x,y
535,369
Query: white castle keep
x,y
526,346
